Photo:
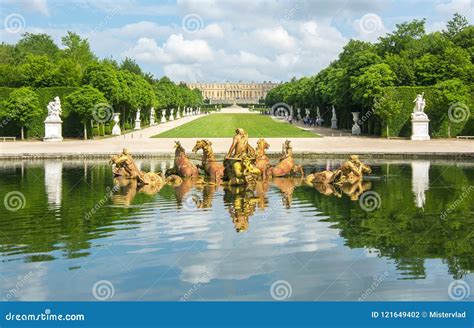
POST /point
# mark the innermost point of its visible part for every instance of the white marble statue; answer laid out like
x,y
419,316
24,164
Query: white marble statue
x,y
152,116
419,109
171,114
298,110
318,113
53,124
54,109
178,115
307,112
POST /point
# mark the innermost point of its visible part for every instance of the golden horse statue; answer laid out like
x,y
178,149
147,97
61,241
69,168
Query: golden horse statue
x,y
286,167
213,169
183,166
262,162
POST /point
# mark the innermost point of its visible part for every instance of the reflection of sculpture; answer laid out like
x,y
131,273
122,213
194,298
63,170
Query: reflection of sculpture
x,y
212,168
124,165
183,166
287,187
242,204
262,162
348,178
286,166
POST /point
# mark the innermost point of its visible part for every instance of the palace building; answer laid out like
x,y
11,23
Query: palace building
x,y
228,93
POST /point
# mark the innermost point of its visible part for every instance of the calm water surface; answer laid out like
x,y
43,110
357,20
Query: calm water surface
x,y
73,225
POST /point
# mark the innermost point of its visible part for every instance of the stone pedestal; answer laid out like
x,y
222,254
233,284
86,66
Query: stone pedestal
x,y
178,115
420,128
53,129
334,123
138,125
355,127
116,131
152,117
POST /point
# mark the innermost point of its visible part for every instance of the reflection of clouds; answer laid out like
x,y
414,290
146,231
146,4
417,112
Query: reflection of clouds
x,y
34,287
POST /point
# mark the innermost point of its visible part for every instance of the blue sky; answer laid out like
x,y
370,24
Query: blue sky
x,y
212,40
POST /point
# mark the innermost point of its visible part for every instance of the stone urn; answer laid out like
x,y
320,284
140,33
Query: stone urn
x,y
116,131
355,127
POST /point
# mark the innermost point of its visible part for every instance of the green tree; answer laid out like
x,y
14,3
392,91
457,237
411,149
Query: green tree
x,y
456,25
83,102
387,109
131,66
38,71
22,107
38,44
103,77
371,83
77,50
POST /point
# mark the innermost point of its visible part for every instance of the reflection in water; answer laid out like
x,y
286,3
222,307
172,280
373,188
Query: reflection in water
x,y
53,181
420,181
187,232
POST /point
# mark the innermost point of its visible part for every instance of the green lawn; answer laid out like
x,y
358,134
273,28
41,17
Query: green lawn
x,y
224,125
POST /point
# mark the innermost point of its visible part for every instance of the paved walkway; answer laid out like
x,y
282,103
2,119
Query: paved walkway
x,y
139,142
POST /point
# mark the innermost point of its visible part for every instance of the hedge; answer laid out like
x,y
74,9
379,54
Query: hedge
x,y
436,109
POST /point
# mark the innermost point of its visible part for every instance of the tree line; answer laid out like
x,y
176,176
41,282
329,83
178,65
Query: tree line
x,y
102,85
408,56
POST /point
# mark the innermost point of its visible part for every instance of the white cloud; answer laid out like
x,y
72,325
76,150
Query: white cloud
x,y
463,7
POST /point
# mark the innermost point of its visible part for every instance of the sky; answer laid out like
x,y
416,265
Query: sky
x,y
223,40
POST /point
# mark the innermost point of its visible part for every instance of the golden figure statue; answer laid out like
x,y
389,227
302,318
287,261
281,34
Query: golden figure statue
x,y
262,162
239,162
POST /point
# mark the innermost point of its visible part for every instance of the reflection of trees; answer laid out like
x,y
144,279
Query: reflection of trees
x,y
403,232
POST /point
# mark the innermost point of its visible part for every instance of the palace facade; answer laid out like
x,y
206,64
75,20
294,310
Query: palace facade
x,y
228,93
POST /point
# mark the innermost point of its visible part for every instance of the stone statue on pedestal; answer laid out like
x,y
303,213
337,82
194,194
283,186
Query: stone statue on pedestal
x,y
419,120
171,114
53,123
137,120
178,115
333,118
152,116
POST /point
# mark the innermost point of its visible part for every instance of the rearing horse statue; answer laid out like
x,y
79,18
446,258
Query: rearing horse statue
x,y
183,166
214,170
286,166
262,162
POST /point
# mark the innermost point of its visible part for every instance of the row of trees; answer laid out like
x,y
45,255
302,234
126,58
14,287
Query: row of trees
x,y
37,62
406,57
